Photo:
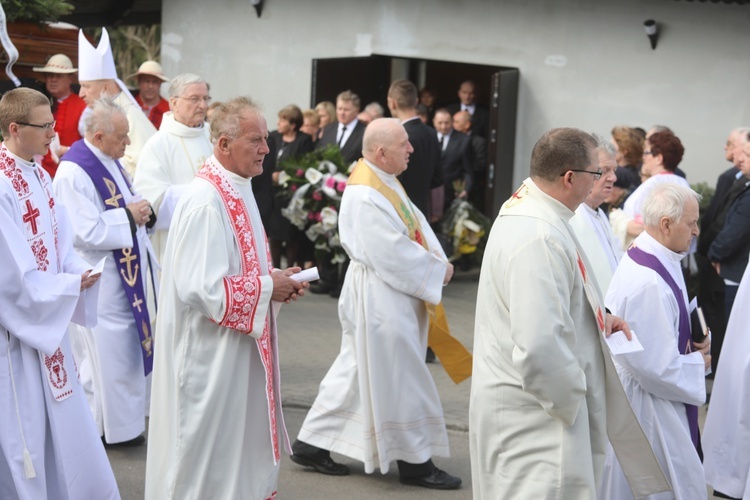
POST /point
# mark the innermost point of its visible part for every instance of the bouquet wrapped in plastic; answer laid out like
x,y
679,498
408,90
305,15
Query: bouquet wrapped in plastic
x,y
466,229
314,183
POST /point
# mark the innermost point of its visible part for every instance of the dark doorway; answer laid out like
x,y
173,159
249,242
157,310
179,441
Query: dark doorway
x,y
496,89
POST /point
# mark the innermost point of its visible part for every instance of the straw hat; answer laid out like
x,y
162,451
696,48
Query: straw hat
x,y
151,68
59,63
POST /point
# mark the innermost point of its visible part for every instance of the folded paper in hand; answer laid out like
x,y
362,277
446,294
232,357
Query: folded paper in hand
x,y
618,343
306,275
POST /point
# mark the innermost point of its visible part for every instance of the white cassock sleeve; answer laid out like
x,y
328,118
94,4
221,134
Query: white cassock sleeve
x,y
397,260
538,280
95,229
154,182
660,369
202,269
35,306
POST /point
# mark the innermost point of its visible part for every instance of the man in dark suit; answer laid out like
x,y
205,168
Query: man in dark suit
x,y
348,132
480,116
424,172
456,158
462,123
711,287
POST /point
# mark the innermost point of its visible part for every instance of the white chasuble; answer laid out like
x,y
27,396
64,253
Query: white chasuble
x,y
216,428
42,405
726,434
167,163
378,401
544,396
659,381
141,129
594,233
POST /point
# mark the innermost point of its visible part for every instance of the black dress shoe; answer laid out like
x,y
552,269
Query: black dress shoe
x,y
436,480
430,356
136,441
324,465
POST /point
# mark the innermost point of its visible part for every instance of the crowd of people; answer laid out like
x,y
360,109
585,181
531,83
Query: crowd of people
x,y
143,241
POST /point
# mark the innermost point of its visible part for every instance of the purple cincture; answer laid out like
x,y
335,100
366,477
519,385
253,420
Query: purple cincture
x,y
684,341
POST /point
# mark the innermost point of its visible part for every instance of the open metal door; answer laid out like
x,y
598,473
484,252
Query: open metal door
x,y
501,139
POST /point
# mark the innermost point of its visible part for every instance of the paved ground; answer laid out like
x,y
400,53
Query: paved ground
x,y
309,342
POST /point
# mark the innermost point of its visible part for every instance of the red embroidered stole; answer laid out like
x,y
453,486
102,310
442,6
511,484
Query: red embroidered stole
x,y
54,366
241,291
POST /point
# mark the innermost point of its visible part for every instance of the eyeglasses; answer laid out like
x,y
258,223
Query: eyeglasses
x,y
44,126
647,153
597,175
195,99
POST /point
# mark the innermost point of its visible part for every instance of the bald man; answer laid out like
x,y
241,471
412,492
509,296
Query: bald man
x,y
396,266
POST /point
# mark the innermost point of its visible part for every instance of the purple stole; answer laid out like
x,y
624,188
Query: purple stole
x,y
684,341
127,259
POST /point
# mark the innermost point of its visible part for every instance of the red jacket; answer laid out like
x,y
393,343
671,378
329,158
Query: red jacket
x,y
156,112
67,114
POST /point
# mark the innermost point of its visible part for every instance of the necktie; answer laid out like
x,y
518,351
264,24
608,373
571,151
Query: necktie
x,y
443,142
343,133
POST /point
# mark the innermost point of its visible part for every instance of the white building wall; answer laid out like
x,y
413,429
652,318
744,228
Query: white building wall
x,y
583,63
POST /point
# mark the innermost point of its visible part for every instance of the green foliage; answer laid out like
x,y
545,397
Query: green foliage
x,y
36,11
706,191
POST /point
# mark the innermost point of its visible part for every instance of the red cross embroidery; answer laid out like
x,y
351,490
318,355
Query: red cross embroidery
x,y
31,215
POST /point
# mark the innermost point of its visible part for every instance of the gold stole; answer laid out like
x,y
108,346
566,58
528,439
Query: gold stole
x,y
454,357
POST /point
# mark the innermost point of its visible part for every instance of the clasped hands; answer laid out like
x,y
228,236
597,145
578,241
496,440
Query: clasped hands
x,y
285,289
141,211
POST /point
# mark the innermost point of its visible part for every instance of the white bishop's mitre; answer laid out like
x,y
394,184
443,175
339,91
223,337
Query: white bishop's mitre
x,y
95,63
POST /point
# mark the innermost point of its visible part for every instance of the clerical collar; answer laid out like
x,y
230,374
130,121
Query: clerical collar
x,y
101,155
24,163
379,171
649,244
236,178
170,125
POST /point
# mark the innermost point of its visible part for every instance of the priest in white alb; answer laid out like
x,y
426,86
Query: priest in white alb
x,y
97,75
378,402
49,446
665,382
216,428
110,221
591,224
726,433
544,394
170,158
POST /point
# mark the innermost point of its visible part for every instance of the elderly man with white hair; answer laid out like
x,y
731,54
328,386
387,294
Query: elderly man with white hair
x,y
110,220
170,159
590,223
665,382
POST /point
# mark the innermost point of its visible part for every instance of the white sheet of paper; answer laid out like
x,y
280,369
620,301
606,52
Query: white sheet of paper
x,y
306,275
99,267
618,343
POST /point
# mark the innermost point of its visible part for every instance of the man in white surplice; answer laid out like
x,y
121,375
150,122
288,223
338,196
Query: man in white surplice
x,y
109,355
591,225
49,447
726,434
665,382
544,395
171,157
378,402
216,427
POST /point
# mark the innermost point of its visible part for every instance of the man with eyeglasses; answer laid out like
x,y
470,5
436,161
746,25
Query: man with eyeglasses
x,y
170,159
590,223
544,392
49,446
98,76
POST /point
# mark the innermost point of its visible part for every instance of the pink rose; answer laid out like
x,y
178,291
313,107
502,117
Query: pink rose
x,y
317,196
299,172
330,182
340,186
293,188
311,216
317,216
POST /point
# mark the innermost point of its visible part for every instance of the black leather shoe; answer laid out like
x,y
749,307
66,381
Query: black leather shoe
x,y
324,465
136,441
436,480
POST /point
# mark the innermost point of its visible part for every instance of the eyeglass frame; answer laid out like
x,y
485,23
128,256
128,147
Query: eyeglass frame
x,y
197,99
597,175
648,152
44,126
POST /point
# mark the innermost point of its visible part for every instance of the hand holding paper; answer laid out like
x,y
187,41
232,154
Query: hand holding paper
x,y
618,343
